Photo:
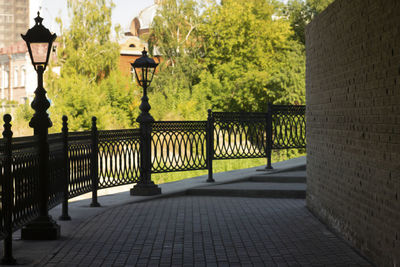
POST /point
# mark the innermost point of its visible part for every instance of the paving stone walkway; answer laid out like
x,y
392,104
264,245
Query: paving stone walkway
x,y
205,231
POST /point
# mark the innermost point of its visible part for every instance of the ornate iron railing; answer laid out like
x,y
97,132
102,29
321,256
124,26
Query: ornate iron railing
x,y
118,157
239,135
178,146
24,186
2,179
79,159
82,162
288,127
57,169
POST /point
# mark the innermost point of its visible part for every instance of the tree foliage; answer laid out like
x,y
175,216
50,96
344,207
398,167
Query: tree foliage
x,y
234,55
89,82
230,55
175,35
237,56
250,58
175,29
302,12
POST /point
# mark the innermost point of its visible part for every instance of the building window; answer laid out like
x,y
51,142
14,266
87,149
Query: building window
x,y
132,45
23,76
6,75
15,77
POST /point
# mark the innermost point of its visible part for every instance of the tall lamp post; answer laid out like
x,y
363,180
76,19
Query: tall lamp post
x,y
144,70
39,41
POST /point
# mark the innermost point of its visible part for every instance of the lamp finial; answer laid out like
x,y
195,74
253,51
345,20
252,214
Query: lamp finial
x,y
144,52
38,19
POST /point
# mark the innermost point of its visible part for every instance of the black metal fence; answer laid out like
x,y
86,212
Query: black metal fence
x,y
239,135
288,127
82,162
19,194
79,155
118,157
178,146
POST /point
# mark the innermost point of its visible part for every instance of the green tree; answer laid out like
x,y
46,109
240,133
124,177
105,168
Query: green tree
x,y
172,96
250,57
302,12
174,30
89,83
175,35
86,46
318,5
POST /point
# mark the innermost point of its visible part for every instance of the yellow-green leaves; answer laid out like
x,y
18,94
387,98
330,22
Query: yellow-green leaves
x,y
250,57
89,83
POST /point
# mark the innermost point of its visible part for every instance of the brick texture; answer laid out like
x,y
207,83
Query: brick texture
x,y
205,231
353,124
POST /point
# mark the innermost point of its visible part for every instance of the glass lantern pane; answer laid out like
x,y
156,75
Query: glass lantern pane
x,y
151,74
144,74
138,74
39,52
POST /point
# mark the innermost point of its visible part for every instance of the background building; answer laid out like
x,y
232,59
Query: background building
x,y
134,39
141,24
17,75
14,59
14,77
14,19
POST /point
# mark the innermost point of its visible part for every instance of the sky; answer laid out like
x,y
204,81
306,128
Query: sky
x,y
123,12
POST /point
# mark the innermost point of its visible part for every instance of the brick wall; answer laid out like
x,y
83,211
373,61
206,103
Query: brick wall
x,y
126,60
125,64
353,124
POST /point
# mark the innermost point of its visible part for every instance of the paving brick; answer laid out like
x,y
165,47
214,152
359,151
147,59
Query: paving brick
x,y
233,231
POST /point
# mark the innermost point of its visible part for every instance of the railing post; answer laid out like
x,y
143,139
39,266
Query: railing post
x,y
269,137
94,163
145,186
7,193
43,227
210,145
64,214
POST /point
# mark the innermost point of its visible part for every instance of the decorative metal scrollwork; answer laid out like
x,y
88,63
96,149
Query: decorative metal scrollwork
x,y
79,153
25,174
178,146
57,169
239,135
288,127
2,156
118,157
175,146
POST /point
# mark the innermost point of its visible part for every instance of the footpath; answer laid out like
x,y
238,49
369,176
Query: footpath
x,y
248,217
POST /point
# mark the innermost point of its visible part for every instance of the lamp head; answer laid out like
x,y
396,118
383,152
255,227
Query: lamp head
x,y
144,69
39,41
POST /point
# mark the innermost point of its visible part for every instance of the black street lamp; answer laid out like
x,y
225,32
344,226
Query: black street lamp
x,y
39,41
144,70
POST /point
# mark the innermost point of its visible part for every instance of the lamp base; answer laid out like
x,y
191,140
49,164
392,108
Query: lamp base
x,y
145,190
43,228
64,218
8,261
